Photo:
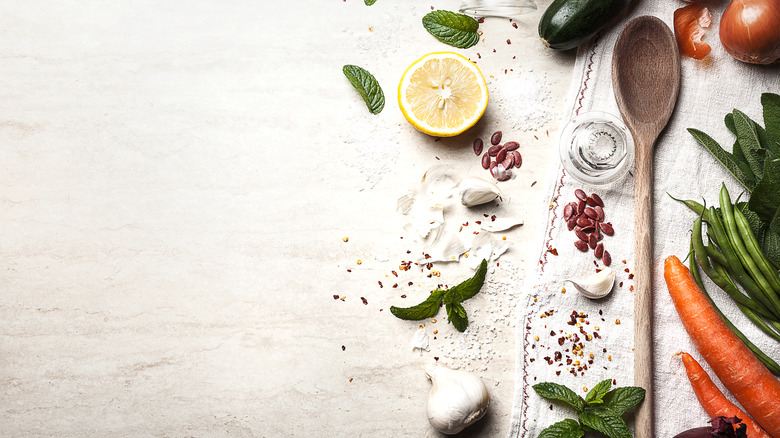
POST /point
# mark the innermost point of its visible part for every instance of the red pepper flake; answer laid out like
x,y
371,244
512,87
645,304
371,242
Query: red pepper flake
x,y
394,273
395,285
365,301
621,284
350,379
630,276
627,270
481,20
335,297
410,283
514,25
349,270
508,41
343,347
380,284
479,56
494,50
631,288
403,296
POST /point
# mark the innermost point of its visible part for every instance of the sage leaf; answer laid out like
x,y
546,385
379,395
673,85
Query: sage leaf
x,y
366,84
605,422
771,104
457,30
765,198
456,314
620,400
554,391
725,158
426,309
567,428
749,142
597,393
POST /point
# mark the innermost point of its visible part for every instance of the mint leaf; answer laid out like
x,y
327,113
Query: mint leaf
x,y
597,393
468,288
457,30
771,103
567,428
370,2
726,159
554,391
605,422
456,314
620,400
426,309
366,84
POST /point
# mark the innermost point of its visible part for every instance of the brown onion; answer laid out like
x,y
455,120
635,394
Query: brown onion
x,y
750,30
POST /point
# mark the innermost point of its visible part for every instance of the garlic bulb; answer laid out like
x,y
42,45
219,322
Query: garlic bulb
x,y
476,191
457,399
598,285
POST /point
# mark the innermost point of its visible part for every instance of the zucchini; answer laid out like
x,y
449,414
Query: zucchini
x,y
568,23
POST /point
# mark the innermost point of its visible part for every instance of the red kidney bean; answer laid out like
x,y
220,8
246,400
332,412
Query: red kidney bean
x,y
580,195
589,229
590,201
568,211
492,166
571,223
582,236
606,258
511,145
509,161
501,155
591,213
478,146
582,246
493,151
606,227
495,138
581,207
599,251
584,222
486,161
592,241
597,199
518,158
599,212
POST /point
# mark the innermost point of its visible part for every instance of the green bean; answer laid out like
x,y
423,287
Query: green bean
x,y
764,326
755,250
734,266
773,366
719,276
727,210
715,255
693,205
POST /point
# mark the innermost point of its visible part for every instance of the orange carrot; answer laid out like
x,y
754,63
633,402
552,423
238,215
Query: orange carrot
x,y
713,401
751,383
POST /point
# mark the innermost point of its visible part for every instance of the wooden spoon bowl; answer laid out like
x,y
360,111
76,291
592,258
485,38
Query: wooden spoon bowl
x,y
646,80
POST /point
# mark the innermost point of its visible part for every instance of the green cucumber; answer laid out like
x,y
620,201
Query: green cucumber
x,y
568,23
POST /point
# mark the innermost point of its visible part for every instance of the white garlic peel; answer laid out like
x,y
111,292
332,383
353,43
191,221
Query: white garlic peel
x,y
457,399
477,191
596,286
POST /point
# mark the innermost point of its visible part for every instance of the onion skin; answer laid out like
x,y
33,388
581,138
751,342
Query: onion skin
x,y
750,30
689,24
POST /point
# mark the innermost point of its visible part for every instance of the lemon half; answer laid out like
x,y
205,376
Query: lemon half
x,y
443,94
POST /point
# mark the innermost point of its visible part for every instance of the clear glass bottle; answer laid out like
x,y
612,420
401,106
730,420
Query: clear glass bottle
x,y
497,8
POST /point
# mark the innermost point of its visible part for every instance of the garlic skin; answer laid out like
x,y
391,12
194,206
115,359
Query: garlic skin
x,y
598,285
457,399
476,191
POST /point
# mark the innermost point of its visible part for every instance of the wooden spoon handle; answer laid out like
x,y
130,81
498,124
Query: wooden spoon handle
x,y
643,297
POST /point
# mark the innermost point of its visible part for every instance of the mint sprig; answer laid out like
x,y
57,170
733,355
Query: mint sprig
x,y
366,84
451,298
457,30
600,410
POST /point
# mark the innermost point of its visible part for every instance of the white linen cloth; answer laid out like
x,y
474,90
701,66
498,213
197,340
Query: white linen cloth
x,y
710,89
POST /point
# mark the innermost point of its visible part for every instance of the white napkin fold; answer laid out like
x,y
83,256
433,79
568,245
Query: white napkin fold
x,y
710,89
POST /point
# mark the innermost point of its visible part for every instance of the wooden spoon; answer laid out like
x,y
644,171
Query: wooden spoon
x,y
646,79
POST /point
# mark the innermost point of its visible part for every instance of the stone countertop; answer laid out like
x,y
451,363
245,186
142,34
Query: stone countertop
x,y
178,182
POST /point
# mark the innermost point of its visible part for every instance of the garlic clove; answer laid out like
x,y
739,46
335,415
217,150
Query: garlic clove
x,y
596,286
476,191
457,399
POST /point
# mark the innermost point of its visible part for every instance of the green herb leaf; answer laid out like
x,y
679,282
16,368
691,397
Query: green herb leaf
x,y
749,142
771,103
426,309
456,314
370,2
725,158
457,30
554,391
597,393
765,198
567,428
620,400
366,84
605,422
468,288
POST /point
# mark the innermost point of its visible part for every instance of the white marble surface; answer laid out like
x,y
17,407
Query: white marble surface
x,y
176,179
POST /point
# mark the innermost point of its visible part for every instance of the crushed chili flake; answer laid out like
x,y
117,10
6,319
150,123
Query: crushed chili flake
x,y
343,347
365,301
380,284
335,297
